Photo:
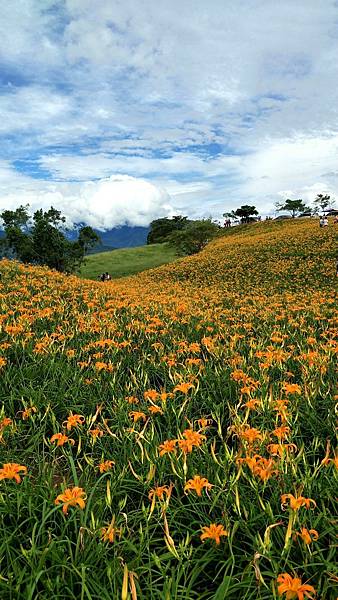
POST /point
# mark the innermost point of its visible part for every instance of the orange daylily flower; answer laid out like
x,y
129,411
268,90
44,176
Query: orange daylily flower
x,y
326,460
11,471
106,466
250,387
4,346
150,395
167,447
281,449
294,588
183,387
251,461
192,438
252,404
194,347
25,414
73,421
238,375
100,366
137,415
5,422
213,532
165,395
108,534
265,468
185,445
193,361
197,484
132,400
203,423
250,435
292,388
159,492
308,535
335,459
82,364
262,467
296,502
61,439
71,497
281,407
13,329
154,410
281,432
95,433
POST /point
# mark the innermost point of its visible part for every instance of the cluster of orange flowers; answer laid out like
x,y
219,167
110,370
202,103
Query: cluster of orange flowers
x,y
210,320
252,439
186,443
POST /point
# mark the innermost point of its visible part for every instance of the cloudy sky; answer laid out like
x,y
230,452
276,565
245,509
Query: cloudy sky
x,y
121,111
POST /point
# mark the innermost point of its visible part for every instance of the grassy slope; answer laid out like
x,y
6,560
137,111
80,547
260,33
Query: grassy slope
x,y
127,261
249,319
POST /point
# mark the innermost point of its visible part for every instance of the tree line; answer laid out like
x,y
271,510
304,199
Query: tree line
x,y
247,213
40,239
189,236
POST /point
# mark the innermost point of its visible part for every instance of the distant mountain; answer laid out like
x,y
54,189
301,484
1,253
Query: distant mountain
x,y
100,248
118,237
124,237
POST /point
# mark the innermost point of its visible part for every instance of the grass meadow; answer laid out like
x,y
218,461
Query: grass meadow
x,y
127,261
172,435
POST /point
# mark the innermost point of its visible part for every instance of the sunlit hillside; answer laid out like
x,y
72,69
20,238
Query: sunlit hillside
x,y
172,435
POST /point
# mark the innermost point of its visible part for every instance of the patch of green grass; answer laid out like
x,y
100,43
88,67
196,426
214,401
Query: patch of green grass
x,y
127,261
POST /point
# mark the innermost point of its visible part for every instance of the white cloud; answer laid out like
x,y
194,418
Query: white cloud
x,y
116,201
104,204
38,108
68,167
139,88
27,35
299,167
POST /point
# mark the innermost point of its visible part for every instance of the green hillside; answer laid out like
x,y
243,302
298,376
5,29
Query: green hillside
x,y
127,261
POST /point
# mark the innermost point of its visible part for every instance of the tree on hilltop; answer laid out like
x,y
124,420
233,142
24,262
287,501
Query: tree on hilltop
x,y
194,237
245,213
295,207
160,229
229,215
40,239
323,202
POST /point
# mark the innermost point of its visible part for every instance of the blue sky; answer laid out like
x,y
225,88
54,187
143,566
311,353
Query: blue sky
x,y
127,110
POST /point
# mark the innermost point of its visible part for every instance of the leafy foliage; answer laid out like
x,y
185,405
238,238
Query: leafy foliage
x,y
40,239
245,213
295,207
323,202
193,237
160,229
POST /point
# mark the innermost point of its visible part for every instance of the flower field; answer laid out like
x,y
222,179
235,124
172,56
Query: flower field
x,y
172,436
